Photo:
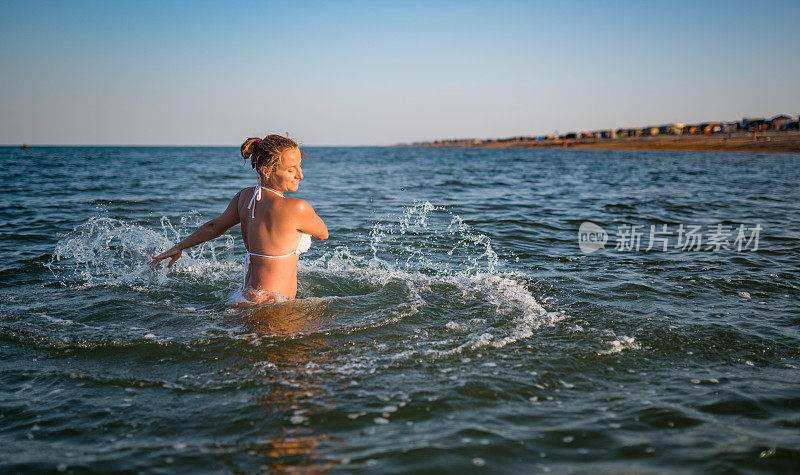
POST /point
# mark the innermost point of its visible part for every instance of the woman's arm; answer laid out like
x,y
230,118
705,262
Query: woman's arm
x,y
309,222
210,230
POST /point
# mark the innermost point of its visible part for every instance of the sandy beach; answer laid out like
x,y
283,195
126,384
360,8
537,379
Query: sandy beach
x,y
767,141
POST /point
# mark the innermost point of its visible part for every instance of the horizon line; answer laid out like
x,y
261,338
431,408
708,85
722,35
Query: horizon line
x,y
20,145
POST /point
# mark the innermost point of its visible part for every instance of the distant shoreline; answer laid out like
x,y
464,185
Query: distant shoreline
x,y
765,141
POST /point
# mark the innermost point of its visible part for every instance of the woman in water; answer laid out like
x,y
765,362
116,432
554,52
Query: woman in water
x,y
275,229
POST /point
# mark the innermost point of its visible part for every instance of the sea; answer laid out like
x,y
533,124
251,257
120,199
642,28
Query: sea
x,y
474,311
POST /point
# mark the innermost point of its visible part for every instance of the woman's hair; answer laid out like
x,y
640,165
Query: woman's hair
x,y
266,152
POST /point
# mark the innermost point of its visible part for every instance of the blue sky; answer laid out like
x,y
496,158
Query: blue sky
x,y
380,73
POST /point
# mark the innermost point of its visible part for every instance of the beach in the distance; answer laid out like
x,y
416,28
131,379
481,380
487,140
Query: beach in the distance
x,y
764,142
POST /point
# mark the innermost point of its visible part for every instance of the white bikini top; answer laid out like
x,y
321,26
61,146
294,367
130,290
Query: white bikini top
x,y
305,239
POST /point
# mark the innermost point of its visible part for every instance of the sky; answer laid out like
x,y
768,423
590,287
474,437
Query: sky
x,y
383,73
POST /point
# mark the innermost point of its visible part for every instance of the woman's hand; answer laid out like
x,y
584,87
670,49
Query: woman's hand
x,y
174,253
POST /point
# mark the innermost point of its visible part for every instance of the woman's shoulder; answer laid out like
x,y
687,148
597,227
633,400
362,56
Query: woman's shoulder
x,y
243,192
298,203
298,206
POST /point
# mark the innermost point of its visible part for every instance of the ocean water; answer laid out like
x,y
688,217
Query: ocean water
x,y
451,323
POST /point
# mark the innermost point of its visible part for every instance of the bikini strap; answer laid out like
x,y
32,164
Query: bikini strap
x,y
270,257
257,197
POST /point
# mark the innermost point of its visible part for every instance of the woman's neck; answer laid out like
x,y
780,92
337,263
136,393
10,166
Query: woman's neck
x,y
279,193
265,184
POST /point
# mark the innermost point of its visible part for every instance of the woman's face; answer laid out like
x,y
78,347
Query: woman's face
x,y
288,174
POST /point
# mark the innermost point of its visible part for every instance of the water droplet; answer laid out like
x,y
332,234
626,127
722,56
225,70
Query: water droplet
x,y
767,453
297,419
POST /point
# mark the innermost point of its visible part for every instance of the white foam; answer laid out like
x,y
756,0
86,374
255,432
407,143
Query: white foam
x,y
617,346
64,322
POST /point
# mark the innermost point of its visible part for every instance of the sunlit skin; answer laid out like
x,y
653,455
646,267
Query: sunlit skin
x,y
275,230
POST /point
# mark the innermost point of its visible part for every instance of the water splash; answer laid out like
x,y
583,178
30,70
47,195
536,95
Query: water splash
x,y
107,251
435,254
429,237
426,263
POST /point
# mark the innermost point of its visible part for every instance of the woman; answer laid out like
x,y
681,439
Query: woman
x,y
275,229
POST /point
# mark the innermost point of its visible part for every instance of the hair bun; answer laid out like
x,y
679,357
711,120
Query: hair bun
x,y
248,147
